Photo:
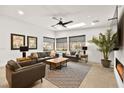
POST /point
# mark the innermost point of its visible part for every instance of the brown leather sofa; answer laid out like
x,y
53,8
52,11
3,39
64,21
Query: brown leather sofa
x,y
43,56
20,75
72,57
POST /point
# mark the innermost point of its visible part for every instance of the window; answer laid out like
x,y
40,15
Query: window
x,y
76,42
48,44
61,44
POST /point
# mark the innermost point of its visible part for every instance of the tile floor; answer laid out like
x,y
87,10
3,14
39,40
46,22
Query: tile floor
x,y
99,77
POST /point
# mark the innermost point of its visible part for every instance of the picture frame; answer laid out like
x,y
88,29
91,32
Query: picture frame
x,y
17,41
32,42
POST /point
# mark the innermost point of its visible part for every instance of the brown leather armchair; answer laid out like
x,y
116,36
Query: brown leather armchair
x,y
20,77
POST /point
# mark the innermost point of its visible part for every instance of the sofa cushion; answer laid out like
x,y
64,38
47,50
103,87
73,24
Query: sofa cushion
x,y
72,52
47,54
71,56
67,53
13,65
41,54
41,59
27,63
34,55
46,58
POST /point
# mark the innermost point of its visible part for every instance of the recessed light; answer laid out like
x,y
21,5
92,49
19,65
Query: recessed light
x,y
92,23
77,25
89,16
20,12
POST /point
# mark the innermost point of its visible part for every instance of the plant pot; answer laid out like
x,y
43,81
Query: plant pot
x,y
106,63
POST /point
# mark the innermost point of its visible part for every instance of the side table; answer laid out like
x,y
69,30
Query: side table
x,y
84,58
23,59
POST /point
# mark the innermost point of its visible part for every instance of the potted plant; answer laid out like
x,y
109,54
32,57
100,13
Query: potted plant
x,y
106,43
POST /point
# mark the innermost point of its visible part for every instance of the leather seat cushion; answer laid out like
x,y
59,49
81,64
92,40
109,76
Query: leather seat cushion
x,y
41,59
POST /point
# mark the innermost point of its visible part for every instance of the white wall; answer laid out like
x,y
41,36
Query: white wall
x,y
10,25
93,54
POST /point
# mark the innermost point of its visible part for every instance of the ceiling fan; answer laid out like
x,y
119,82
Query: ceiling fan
x,y
61,22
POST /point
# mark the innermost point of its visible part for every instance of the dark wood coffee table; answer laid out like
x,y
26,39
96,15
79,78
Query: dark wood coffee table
x,y
57,62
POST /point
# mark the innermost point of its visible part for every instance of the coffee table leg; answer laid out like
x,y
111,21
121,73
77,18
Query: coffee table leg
x,y
50,66
66,63
60,65
86,59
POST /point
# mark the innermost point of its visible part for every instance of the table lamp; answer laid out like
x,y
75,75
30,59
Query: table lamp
x,y
23,49
84,48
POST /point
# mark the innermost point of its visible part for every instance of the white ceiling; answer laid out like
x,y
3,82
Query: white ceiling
x,y
41,15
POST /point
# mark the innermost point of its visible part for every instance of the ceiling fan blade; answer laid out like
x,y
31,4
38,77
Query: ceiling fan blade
x,y
64,26
54,25
55,18
68,22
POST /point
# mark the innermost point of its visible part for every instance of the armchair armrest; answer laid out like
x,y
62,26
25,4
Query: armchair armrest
x,y
30,68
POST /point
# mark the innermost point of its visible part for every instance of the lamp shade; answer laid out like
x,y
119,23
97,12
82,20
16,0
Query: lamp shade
x,y
84,48
23,48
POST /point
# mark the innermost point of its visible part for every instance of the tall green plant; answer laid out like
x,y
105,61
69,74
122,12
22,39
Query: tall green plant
x,y
105,42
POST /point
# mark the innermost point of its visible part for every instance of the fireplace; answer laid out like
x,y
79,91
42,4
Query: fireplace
x,y
120,69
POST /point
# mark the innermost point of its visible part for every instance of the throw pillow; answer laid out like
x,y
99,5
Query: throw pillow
x,y
80,54
77,53
72,52
68,53
34,55
52,53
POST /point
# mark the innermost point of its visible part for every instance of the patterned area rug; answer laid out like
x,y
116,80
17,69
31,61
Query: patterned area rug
x,y
68,77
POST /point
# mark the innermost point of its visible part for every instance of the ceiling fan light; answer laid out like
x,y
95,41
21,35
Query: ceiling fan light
x,y
77,25
92,23
59,27
20,12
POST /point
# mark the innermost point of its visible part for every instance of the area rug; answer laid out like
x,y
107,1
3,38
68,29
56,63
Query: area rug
x,y
68,77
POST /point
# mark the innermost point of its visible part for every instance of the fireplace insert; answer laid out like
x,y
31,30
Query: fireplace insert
x,y
120,69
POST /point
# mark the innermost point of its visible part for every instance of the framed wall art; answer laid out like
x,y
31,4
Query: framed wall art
x,y
17,41
32,42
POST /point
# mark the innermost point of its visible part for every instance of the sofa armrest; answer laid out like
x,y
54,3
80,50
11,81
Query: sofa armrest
x,y
77,56
57,55
64,54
